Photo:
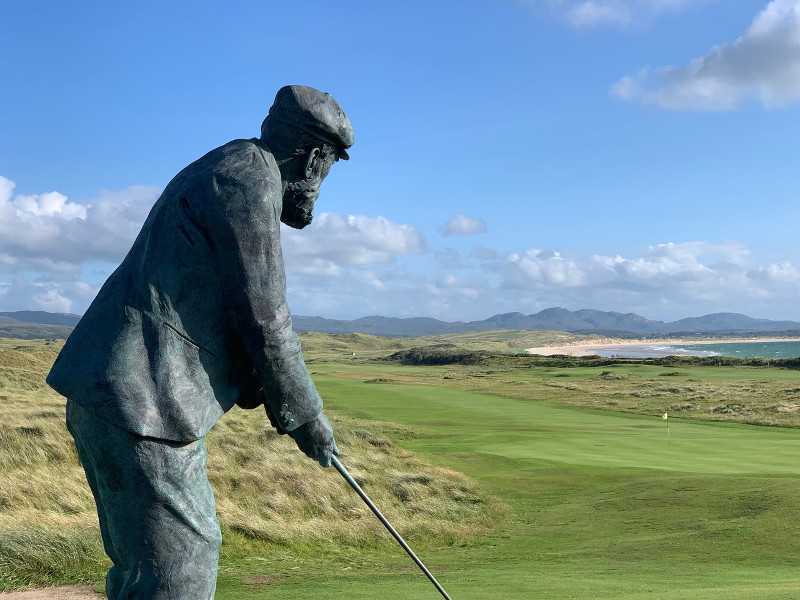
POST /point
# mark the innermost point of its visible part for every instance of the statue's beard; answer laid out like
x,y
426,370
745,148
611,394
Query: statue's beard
x,y
298,203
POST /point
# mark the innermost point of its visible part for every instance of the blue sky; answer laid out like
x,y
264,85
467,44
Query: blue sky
x,y
632,155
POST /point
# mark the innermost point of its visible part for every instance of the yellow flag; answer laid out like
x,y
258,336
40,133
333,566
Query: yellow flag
x,y
665,417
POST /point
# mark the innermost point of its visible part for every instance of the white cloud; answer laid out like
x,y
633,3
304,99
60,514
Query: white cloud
x,y
584,14
334,242
683,278
51,232
54,254
47,241
671,262
52,300
762,65
24,291
549,268
667,280
781,273
49,244
595,14
346,265
463,225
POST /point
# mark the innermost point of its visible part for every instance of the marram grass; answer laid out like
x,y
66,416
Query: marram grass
x,y
268,493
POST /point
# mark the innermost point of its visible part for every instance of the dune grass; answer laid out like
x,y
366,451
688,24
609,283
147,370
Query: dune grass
x,y
269,495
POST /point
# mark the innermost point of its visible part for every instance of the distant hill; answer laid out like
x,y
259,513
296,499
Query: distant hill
x,y
392,326
41,324
555,319
41,317
36,324
731,322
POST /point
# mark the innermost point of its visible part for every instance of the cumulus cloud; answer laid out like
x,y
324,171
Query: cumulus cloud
x,y
48,241
32,291
780,273
463,225
762,65
682,278
52,232
335,242
673,263
612,13
55,253
544,268
347,265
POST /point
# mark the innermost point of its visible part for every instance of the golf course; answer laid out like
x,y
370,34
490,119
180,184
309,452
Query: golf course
x,y
569,497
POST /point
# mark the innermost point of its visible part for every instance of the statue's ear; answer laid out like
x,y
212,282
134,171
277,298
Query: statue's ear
x,y
312,161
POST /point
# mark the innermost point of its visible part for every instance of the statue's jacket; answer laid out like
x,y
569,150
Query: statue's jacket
x,y
195,318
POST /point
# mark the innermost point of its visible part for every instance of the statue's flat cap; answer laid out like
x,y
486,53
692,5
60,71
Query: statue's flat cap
x,y
315,113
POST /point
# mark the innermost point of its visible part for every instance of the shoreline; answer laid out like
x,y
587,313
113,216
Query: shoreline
x,y
592,347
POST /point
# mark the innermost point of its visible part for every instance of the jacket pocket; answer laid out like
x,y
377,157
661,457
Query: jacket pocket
x,y
187,339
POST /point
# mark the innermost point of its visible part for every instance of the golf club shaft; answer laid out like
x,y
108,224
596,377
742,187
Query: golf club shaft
x,y
354,484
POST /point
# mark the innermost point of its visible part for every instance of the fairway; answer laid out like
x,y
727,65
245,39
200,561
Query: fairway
x,y
602,505
535,431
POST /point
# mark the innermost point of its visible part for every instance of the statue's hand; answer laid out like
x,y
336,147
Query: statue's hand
x,y
315,439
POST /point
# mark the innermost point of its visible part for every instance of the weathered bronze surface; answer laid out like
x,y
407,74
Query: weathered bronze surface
x,y
195,321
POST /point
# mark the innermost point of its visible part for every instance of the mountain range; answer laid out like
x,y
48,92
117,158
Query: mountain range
x,y
43,324
36,324
555,319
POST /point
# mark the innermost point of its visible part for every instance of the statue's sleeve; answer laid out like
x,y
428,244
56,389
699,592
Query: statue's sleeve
x,y
245,234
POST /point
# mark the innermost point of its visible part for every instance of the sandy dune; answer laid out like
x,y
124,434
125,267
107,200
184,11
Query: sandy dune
x,y
70,592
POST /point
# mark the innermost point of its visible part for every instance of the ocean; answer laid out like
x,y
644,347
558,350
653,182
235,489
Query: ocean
x,y
749,349
741,350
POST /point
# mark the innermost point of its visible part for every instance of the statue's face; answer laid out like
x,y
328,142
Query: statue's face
x,y
301,194
298,202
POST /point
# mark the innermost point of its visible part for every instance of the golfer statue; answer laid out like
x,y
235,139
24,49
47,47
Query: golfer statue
x,y
191,323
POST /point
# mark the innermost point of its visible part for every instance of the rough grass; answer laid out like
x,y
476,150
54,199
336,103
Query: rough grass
x,y
268,493
267,490
733,390
336,346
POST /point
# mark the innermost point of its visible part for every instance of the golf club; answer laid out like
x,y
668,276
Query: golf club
x,y
354,484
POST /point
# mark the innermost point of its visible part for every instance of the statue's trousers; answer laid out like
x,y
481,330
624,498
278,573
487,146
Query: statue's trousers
x,y
156,510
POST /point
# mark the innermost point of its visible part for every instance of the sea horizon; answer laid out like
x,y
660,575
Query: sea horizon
x,y
754,349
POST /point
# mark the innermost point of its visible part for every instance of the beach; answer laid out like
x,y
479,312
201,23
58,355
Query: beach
x,y
644,348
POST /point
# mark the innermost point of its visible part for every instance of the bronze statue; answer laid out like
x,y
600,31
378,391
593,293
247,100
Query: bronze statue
x,y
191,323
